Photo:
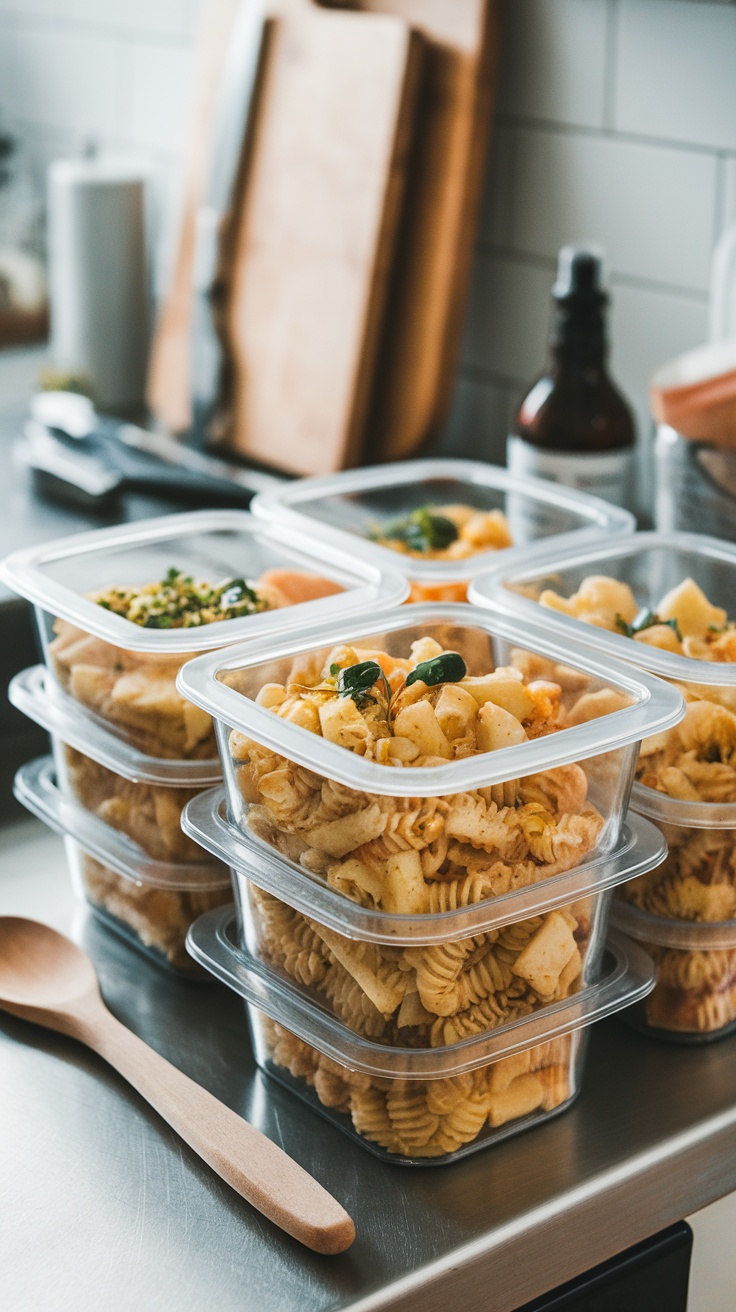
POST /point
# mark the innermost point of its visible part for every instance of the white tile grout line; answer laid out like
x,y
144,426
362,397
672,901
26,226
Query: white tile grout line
x,y
557,127
533,260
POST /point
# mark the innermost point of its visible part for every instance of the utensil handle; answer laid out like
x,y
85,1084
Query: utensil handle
x,y
255,1167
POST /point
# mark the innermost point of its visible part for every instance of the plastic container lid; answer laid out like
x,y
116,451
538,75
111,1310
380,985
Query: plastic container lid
x,y
689,935
689,815
628,976
655,705
347,508
651,563
35,788
70,721
204,819
209,544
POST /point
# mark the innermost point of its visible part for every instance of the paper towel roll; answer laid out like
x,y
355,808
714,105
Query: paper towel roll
x,y
98,276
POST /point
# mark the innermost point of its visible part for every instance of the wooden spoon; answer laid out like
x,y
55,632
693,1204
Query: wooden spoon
x,y
46,979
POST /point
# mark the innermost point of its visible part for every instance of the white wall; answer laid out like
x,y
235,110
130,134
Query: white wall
x,y
616,122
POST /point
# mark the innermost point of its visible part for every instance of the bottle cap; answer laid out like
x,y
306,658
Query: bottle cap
x,y
579,272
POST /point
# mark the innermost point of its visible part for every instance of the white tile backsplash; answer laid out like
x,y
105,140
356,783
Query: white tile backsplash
x,y
508,317
676,72
648,327
63,78
651,207
554,60
479,422
157,84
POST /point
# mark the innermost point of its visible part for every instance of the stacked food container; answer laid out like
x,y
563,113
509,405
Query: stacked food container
x,y
119,611
421,936
666,603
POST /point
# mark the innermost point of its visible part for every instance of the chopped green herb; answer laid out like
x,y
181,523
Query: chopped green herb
x,y
356,681
234,592
422,531
180,602
646,619
334,669
449,667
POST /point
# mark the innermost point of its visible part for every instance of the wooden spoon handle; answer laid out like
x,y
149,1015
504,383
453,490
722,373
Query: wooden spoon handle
x,y
255,1167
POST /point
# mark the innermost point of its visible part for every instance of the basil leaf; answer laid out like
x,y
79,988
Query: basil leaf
x,y
235,592
358,678
422,530
334,670
449,667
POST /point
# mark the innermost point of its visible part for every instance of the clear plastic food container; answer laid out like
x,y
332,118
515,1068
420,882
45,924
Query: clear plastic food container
x,y
694,999
423,980
697,760
124,671
253,860
427,837
139,795
418,1105
492,515
151,903
697,879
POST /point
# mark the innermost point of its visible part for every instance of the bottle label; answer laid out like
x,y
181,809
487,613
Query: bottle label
x,y
608,475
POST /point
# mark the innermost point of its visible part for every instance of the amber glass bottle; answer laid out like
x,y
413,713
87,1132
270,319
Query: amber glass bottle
x,y
574,426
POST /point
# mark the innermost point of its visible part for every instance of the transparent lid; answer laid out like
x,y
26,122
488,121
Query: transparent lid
x,y
641,848
486,640
690,815
689,935
35,788
39,697
350,507
212,545
650,563
627,977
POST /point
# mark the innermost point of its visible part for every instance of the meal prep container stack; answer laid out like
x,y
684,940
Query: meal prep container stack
x,y
360,509
421,946
128,750
684,911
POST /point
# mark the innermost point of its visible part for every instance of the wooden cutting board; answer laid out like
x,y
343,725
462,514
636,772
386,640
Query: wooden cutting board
x,y
314,241
426,306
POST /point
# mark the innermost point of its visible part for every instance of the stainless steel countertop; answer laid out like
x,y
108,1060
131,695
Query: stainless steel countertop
x,y
101,1206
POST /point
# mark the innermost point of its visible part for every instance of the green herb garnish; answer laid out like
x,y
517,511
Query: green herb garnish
x,y
181,602
422,530
356,681
646,619
235,592
449,667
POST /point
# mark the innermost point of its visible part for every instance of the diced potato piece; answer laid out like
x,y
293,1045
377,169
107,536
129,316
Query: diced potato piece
x,y
662,636
455,710
506,688
338,837
507,1069
594,704
197,725
523,1096
90,685
688,604
424,649
360,960
545,956
419,723
304,712
404,889
342,722
556,1082
553,601
598,592
143,691
497,728
401,749
271,694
